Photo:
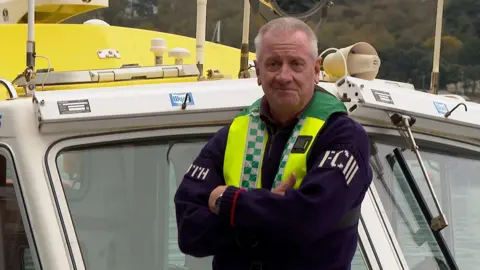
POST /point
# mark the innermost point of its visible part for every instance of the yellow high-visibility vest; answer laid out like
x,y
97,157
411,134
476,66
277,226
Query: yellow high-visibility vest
x,y
247,139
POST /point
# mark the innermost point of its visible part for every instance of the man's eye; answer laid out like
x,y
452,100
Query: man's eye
x,y
297,63
297,66
272,64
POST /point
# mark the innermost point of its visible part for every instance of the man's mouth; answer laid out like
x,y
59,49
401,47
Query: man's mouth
x,y
285,89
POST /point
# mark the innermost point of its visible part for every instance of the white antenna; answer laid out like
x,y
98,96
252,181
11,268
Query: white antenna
x,y
434,80
243,73
31,35
29,72
217,32
201,26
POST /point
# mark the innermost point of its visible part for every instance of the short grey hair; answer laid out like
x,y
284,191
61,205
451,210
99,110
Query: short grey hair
x,y
287,24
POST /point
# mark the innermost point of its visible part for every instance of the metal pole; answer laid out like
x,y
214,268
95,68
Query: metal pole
x,y
243,73
434,80
31,35
200,34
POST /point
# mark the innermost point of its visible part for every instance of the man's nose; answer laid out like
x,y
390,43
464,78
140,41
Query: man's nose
x,y
285,74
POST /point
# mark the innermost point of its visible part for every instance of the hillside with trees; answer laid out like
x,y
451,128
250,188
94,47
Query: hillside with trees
x,y
401,30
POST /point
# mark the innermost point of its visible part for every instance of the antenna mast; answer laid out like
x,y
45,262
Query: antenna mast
x,y
217,32
200,35
29,72
244,51
434,80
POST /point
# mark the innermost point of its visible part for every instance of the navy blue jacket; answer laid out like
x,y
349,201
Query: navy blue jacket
x,y
294,231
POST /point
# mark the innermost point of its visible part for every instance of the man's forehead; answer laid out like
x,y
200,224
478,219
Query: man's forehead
x,y
276,46
287,55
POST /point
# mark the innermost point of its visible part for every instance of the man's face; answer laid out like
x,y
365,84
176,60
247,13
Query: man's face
x,y
286,70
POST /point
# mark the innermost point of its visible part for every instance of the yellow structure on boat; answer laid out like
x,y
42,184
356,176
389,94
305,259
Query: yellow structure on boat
x,y
95,54
42,53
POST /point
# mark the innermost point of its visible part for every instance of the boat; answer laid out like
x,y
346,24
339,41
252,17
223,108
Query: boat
x,y
95,139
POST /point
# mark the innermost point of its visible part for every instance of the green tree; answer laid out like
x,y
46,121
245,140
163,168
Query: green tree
x,y
470,53
450,47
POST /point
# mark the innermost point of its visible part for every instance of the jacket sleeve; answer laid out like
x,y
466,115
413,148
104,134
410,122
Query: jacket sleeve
x,y
336,182
200,232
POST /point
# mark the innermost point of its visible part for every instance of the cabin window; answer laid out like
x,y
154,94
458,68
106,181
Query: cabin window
x,y
453,172
15,251
120,198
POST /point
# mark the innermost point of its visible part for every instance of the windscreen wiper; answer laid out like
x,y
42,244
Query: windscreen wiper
x,y
404,124
397,157
377,167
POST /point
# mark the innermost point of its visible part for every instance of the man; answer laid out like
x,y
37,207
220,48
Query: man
x,y
296,210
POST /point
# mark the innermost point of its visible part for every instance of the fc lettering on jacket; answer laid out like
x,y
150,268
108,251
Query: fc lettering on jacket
x,y
197,172
343,160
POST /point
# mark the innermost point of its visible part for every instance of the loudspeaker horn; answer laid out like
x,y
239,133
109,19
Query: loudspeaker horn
x,y
361,59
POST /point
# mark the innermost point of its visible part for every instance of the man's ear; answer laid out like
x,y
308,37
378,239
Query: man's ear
x,y
318,65
257,72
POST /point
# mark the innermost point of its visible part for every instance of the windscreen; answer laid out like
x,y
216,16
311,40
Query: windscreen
x,y
120,198
453,172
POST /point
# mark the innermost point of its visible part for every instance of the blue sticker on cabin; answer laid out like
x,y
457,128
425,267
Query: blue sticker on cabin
x,y
441,107
1,120
177,99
